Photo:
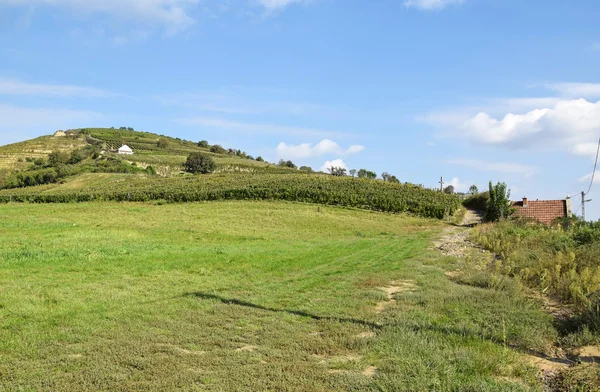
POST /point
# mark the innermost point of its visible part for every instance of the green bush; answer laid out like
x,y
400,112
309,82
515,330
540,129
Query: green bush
x,y
200,163
477,202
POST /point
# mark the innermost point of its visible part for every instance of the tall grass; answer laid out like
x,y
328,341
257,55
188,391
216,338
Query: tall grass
x,y
560,260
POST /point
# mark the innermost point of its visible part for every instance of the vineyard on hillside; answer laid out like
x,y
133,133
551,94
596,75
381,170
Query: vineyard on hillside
x,y
321,189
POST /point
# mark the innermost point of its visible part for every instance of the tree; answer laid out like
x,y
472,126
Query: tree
x,y
364,173
259,159
162,143
352,172
307,169
473,189
449,190
499,205
289,164
217,149
337,171
57,157
198,162
203,144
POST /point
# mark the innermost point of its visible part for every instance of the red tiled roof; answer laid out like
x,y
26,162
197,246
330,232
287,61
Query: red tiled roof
x,y
544,211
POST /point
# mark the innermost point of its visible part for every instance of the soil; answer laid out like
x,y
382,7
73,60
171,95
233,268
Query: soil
x,y
395,288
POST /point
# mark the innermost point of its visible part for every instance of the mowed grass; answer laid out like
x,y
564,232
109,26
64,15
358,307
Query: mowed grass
x,y
256,296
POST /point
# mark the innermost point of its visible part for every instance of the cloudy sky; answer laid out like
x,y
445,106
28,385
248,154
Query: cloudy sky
x,y
471,90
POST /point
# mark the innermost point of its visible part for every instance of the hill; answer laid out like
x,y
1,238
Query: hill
x,y
84,167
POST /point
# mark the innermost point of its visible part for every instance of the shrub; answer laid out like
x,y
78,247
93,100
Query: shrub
x,y
499,206
199,163
162,143
203,144
477,202
259,159
217,149
364,173
337,171
289,164
56,158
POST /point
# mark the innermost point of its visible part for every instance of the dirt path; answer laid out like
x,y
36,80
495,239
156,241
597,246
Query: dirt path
x,y
455,239
455,242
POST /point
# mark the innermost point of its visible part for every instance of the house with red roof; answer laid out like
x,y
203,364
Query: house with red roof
x,y
544,211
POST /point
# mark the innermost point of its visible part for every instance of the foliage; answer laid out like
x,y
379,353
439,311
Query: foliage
x,y
289,164
303,187
162,143
337,171
203,144
389,178
307,169
477,202
364,173
259,159
352,172
449,190
217,149
499,206
561,260
473,189
198,162
57,158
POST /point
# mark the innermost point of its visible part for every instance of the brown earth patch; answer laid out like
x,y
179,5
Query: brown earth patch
x,y
247,348
395,288
370,371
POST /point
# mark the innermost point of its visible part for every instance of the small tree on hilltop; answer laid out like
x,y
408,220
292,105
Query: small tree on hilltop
x,y
499,205
352,172
364,173
473,189
217,149
449,190
337,171
289,164
203,144
199,163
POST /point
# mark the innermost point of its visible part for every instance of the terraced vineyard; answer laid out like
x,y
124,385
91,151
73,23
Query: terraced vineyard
x,y
14,156
312,188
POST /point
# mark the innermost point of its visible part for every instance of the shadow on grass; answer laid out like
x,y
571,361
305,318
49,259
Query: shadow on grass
x,y
450,330
300,313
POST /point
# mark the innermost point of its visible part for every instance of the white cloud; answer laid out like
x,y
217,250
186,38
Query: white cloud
x,y
588,177
305,150
573,124
501,167
429,5
335,163
218,123
578,90
16,87
276,5
173,15
354,149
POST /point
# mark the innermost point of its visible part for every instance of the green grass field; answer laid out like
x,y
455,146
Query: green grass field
x,y
256,296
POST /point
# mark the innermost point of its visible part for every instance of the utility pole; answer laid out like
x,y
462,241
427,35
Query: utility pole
x,y
441,184
583,201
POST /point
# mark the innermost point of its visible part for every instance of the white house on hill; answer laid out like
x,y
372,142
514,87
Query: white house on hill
x,y
125,150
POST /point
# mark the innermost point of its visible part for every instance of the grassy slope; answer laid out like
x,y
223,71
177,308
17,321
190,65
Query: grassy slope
x,y
111,296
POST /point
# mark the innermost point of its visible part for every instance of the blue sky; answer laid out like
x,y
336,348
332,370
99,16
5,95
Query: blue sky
x,y
471,90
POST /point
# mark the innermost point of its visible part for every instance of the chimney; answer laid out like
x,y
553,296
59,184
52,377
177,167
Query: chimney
x,y
525,201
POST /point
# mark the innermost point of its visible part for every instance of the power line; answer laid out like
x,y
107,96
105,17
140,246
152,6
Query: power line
x,y
595,166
